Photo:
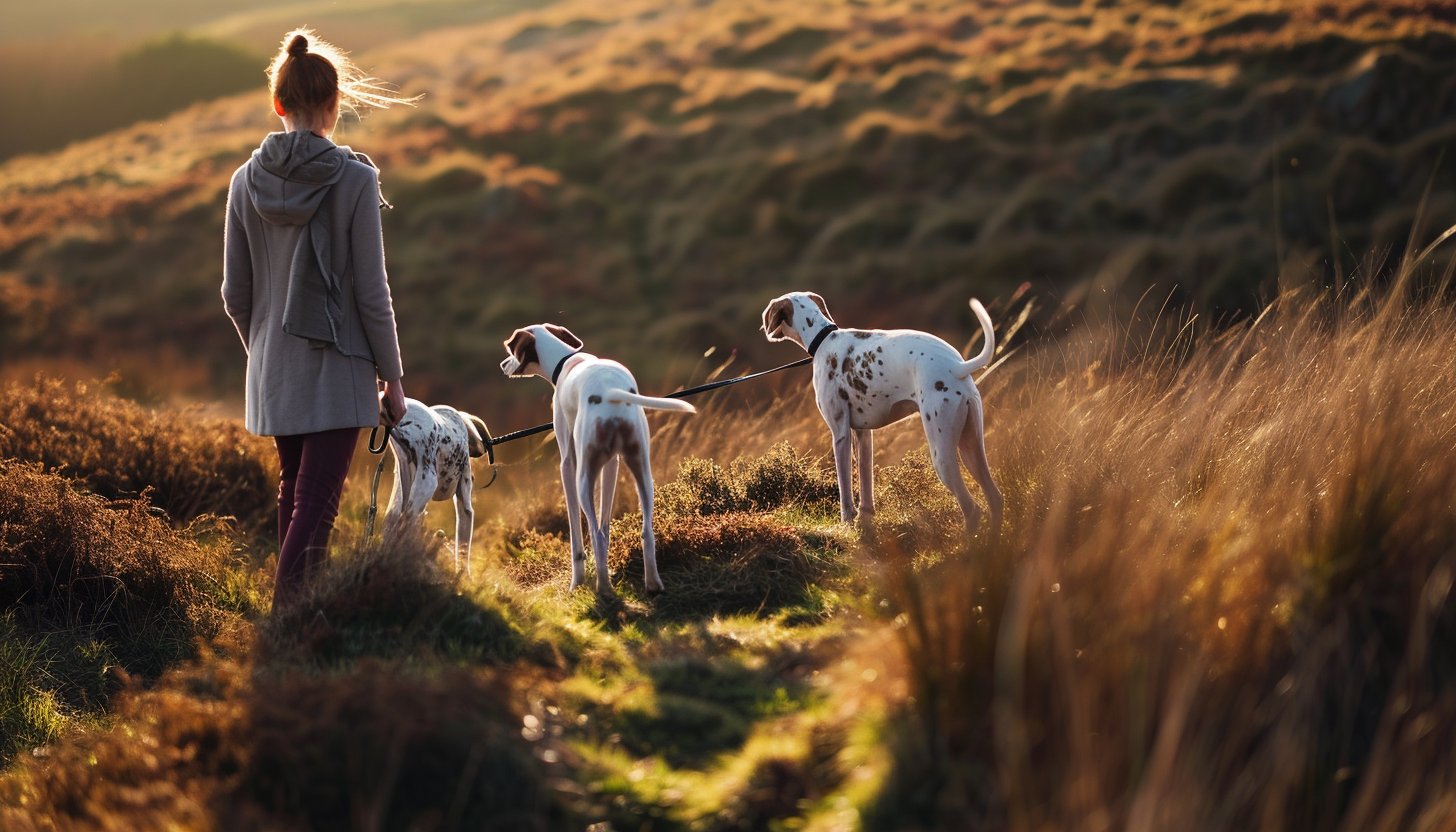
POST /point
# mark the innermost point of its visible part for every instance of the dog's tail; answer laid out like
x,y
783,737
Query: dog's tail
x,y
475,435
623,397
988,349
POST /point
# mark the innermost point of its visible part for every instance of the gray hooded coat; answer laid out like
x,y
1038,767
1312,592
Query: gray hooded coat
x,y
304,283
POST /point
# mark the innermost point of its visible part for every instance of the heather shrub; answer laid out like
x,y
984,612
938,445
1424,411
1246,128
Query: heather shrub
x,y
185,465
94,591
784,477
739,562
702,487
76,560
780,478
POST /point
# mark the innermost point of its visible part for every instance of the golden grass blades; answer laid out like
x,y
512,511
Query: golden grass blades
x,y
1216,599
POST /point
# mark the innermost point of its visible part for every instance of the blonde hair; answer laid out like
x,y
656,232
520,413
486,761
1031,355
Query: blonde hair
x,y
308,72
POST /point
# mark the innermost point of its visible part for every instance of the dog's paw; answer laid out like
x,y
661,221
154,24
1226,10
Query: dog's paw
x,y
655,587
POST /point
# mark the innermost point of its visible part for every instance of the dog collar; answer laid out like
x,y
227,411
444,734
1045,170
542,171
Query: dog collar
x,y
819,339
556,373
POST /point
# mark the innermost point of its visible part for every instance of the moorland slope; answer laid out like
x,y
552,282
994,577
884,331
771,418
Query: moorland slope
x,y
650,172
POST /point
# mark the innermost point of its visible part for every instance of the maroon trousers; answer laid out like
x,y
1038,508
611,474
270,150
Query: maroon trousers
x,y
313,466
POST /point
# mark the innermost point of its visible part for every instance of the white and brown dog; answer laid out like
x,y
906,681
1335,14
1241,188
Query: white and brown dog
x,y
598,418
432,449
867,378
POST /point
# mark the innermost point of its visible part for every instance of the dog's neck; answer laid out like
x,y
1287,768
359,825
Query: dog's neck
x,y
818,339
553,356
811,325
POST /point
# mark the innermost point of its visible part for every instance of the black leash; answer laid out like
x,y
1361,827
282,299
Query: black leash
x,y
491,442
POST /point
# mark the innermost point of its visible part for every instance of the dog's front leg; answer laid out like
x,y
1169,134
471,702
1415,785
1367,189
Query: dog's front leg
x,y
573,513
843,466
865,450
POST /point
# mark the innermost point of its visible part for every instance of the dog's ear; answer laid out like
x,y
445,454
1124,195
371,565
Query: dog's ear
x,y
475,433
823,307
775,315
565,335
522,347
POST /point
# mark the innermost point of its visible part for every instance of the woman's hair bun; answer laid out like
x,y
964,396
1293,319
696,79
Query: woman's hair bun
x,y
298,46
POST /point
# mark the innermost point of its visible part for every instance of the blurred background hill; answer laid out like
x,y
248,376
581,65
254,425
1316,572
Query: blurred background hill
x,y
650,172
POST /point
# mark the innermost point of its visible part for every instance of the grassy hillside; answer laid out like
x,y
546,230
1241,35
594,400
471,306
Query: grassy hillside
x,y
651,172
1220,600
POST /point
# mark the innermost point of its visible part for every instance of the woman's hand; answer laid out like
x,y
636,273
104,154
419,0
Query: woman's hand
x,y
391,402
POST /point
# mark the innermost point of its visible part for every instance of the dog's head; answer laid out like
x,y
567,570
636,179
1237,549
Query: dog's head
x,y
794,316
523,356
475,433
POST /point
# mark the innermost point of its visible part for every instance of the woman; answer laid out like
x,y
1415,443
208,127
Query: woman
x,y
304,283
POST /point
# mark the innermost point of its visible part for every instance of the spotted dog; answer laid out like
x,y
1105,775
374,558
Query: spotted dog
x,y
867,378
432,449
599,418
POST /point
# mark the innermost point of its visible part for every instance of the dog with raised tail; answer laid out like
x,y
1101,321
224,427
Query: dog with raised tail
x,y
432,449
599,419
868,378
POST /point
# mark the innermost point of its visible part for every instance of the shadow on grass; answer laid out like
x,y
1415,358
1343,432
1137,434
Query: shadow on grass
x,y
222,743
706,705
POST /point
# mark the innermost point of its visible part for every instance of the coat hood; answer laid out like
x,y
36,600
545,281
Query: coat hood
x,y
290,174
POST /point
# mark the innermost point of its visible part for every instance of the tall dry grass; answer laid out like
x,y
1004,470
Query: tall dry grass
x,y
1221,596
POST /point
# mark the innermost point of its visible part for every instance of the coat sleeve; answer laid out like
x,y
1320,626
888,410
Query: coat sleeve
x,y
371,284
237,268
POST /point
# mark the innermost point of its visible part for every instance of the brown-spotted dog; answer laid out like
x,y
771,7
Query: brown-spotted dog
x,y
867,378
432,449
598,417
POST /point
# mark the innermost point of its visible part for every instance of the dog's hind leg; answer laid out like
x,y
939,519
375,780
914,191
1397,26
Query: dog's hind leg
x,y
464,519
609,491
586,479
973,453
864,448
941,432
641,470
